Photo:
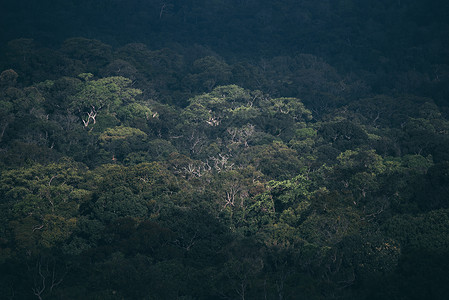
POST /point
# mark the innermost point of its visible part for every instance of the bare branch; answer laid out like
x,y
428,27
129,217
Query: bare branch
x,y
37,227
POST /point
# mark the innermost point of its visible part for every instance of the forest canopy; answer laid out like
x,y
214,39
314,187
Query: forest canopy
x,y
224,149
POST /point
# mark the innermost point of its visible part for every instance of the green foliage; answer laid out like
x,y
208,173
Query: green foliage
x,y
421,232
92,53
105,94
289,106
208,72
216,106
134,111
161,174
278,161
343,135
108,93
121,133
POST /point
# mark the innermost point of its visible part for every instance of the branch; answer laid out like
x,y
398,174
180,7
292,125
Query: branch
x,y
38,291
51,179
162,11
37,227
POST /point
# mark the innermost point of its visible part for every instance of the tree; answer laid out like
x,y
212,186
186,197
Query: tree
x,y
277,161
343,135
237,278
105,94
43,203
122,140
217,106
208,72
92,53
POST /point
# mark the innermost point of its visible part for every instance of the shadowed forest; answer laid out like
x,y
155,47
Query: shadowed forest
x,y
217,149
